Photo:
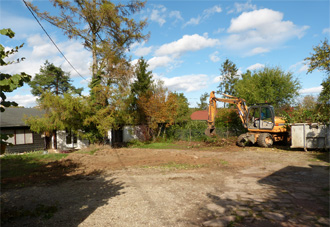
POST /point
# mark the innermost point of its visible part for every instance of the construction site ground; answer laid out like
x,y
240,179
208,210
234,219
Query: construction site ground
x,y
196,185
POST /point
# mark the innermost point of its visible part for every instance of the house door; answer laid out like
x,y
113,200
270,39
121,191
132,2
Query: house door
x,y
117,137
48,141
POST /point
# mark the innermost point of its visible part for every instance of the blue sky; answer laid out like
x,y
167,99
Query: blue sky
x,y
189,40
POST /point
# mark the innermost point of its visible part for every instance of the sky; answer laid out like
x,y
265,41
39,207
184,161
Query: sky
x,y
189,41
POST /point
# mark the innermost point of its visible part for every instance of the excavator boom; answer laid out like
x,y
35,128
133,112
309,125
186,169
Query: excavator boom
x,y
239,102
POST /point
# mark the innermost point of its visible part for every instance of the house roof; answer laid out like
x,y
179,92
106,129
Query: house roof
x,y
14,117
200,115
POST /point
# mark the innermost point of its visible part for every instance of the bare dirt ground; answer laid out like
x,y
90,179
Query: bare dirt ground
x,y
201,186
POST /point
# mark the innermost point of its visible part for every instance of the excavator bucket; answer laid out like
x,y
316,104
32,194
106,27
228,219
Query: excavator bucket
x,y
210,132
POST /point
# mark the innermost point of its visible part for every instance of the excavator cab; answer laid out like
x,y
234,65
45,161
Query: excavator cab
x,y
261,116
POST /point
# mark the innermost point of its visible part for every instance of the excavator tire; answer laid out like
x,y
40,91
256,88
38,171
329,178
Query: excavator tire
x,y
242,141
265,140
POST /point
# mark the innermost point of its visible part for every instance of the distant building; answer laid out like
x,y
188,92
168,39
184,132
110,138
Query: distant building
x,y
200,115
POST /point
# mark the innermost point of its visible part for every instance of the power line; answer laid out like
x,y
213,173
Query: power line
x,y
53,41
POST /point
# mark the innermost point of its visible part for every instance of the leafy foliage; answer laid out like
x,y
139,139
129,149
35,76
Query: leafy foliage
x,y
62,112
108,108
140,87
324,100
228,120
143,81
271,85
159,107
9,83
203,104
311,110
320,59
52,79
182,111
228,76
106,28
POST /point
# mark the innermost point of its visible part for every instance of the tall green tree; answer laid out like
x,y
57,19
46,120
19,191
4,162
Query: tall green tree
x,y
9,83
203,101
271,85
52,79
61,113
182,111
228,77
142,86
320,58
105,28
323,100
143,81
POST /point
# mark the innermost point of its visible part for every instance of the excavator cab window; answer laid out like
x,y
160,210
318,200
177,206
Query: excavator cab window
x,y
261,117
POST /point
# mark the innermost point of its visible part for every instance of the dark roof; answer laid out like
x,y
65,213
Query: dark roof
x,y
14,117
201,115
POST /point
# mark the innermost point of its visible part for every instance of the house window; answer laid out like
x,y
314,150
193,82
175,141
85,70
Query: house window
x,y
21,136
70,136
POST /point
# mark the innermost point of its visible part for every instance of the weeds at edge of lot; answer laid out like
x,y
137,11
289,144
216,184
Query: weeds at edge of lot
x,y
176,166
155,145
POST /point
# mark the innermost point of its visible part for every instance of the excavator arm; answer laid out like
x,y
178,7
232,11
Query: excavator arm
x,y
239,102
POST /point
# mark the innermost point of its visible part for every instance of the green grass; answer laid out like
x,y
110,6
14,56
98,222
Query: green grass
x,y
21,165
223,162
91,152
158,145
176,166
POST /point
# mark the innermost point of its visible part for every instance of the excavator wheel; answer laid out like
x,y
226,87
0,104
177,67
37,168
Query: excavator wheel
x,y
242,141
210,132
265,140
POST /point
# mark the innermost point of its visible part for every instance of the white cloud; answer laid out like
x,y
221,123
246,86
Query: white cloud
x,y
311,90
206,14
219,30
139,49
257,50
20,25
214,56
260,31
255,66
186,43
39,49
216,79
143,51
193,21
158,15
299,67
209,12
161,61
241,7
186,83
326,31
23,100
176,15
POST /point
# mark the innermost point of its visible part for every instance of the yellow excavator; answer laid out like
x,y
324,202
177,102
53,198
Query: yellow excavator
x,y
263,126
